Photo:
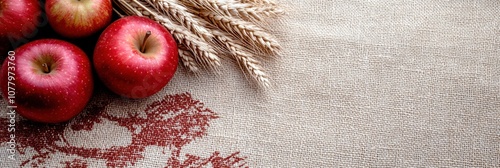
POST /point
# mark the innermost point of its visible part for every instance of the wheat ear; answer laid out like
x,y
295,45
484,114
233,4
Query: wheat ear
x,y
251,12
247,11
259,2
249,32
253,67
179,13
203,51
242,56
205,54
188,60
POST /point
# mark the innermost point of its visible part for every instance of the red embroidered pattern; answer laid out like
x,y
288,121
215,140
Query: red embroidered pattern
x,y
172,122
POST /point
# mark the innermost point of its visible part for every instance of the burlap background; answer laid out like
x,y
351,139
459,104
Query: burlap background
x,y
360,84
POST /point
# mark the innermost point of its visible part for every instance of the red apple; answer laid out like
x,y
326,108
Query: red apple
x,y
52,80
78,18
135,57
18,20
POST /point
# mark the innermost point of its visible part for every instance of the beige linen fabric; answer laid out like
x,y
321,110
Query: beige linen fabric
x,y
369,84
359,84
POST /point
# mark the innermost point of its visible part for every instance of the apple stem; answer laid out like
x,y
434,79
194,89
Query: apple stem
x,y
46,68
143,47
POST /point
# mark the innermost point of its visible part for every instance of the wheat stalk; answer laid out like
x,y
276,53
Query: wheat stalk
x,y
252,34
205,52
179,13
232,8
253,67
118,13
242,56
251,12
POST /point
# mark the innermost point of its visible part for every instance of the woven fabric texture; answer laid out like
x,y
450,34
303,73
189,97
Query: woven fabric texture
x,y
361,83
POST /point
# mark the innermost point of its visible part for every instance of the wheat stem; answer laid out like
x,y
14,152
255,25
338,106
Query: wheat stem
x,y
118,13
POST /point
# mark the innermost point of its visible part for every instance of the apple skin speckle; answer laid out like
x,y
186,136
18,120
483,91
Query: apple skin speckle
x,y
124,69
19,18
54,97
